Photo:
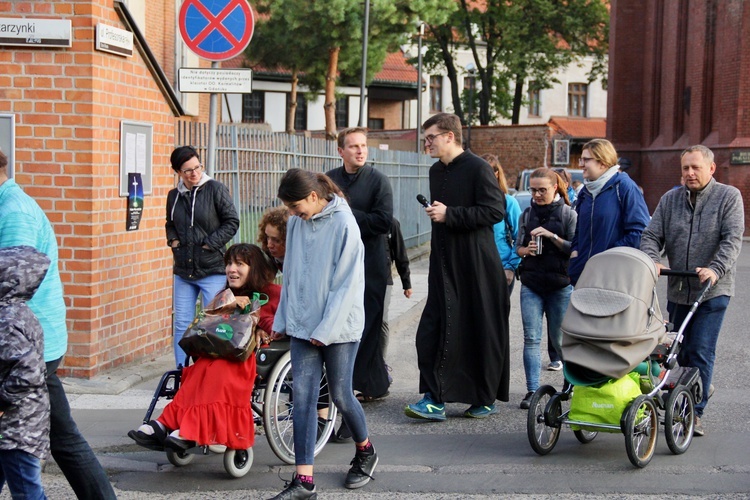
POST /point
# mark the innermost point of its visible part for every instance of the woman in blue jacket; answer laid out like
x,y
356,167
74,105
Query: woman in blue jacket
x,y
507,229
322,310
611,209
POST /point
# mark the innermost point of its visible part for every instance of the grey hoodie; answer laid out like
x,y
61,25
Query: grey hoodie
x,y
324,277
24,401
708,234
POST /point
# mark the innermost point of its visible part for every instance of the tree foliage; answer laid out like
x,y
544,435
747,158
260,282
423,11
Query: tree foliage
x,y
516,41
321,41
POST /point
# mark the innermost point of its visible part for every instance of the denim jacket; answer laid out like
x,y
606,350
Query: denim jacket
x,y
322,297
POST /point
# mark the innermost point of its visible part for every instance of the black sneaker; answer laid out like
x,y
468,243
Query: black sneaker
x,y
363,465
526,402
342,435
295,491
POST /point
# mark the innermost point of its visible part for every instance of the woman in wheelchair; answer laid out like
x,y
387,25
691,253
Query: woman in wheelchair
x,y
212,406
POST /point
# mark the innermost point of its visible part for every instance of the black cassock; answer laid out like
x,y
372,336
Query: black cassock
x,y
370,197
462,338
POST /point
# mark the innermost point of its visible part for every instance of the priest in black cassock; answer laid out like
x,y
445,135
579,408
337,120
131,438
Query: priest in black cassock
x,y
462,338
370,197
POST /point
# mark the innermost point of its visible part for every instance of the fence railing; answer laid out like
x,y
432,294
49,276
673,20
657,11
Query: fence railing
x,y
250,163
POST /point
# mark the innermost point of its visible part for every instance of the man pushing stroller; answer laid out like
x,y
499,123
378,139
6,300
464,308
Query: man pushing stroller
x,y
700,225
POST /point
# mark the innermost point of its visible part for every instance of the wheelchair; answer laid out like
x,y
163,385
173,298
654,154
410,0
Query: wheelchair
x,y
273,410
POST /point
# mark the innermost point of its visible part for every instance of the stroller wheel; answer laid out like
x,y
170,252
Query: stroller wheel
x,y
584,436
543,437
679,419
640,427
237,463
179,458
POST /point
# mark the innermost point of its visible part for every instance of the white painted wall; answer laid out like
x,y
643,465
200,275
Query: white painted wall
x,y
554,101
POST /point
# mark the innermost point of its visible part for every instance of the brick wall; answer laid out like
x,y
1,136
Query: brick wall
x,y
679,75
391,112
69,103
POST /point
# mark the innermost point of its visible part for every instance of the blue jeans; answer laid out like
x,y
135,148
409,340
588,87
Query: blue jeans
x,y
23,473
699,343
533,307
185,295
69,449
307,369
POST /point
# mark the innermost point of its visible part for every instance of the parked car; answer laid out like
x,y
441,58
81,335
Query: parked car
x,y
522,181
522,194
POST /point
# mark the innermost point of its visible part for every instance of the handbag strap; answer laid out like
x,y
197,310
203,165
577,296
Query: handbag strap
x,y
260,298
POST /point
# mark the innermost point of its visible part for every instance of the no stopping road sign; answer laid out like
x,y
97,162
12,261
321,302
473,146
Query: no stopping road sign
x,y
216,29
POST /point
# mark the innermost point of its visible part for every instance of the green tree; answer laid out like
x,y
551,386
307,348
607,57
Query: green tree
x,y
519,40
321,41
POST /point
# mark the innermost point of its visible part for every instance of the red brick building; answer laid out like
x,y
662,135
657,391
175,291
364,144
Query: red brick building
x,y
69,103
679,75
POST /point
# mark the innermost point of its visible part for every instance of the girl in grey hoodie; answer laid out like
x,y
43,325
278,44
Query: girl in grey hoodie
x,y
322,311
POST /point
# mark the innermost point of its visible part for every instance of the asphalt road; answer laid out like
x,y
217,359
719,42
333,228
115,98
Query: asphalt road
x,y
458,458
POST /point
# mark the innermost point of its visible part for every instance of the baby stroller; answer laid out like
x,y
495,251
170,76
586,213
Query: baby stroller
x,y
613,323
273,408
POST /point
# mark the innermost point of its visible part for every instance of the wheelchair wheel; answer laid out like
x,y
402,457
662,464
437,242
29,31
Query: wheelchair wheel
x,y
278,411
584,436
542,436
179,459
237,463
641,431
679,419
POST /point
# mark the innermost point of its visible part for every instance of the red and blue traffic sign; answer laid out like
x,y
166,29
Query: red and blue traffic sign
x,y
216,29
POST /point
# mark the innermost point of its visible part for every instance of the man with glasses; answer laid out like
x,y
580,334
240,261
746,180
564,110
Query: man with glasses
x,y
462,338
700,225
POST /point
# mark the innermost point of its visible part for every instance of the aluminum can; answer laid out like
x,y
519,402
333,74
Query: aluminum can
x,y
539,245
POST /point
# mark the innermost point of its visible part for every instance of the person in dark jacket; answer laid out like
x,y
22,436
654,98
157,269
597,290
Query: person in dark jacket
x,y
201,219
545,285
371,199
462,338
611,209
396,255
24,401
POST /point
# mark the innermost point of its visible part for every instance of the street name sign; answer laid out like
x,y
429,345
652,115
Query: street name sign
x,y
216,29
214,80
35,32
114,40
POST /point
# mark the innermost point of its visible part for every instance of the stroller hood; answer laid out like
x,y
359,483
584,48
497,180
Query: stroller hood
x,y
613,320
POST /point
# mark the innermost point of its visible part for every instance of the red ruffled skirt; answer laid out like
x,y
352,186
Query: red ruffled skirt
x,y
212,405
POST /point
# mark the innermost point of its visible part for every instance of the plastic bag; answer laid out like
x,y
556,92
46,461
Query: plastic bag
x,y
604,403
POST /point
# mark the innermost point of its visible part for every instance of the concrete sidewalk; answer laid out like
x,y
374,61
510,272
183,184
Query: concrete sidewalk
x,y
117,381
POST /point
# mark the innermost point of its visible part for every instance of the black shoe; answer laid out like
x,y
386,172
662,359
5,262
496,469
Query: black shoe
x,y
177,443
295,491
342,435
526,402
153,441
363,465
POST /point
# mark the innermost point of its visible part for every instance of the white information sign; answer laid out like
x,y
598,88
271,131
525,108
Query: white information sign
x,y
35,32
114,40
215,80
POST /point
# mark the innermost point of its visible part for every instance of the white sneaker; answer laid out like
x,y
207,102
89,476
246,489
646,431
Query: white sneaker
x,y
554,366
217,448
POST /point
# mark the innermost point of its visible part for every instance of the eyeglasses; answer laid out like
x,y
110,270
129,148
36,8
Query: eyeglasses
x,y
429,138
583,160
188,171
541,191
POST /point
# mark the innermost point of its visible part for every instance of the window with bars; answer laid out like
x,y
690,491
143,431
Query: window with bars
x,y
577,97
253,107
342,112
436,94
300,114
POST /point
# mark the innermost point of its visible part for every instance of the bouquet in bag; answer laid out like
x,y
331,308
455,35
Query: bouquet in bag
x,y
225,328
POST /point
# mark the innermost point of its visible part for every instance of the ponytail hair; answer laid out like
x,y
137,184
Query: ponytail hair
x,y
554,178
297,184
